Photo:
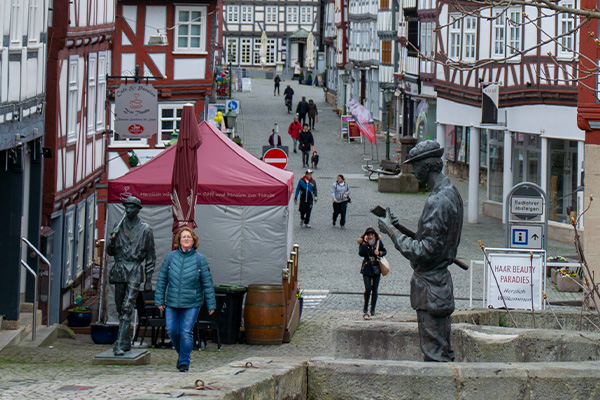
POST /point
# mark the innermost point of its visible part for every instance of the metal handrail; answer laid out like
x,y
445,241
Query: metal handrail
x,y
35,275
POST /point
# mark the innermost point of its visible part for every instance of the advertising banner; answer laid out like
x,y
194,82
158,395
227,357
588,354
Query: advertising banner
x,y
518,277
364,119
136,111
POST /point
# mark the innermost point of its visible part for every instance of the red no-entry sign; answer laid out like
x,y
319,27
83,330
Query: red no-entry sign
x,y
276,157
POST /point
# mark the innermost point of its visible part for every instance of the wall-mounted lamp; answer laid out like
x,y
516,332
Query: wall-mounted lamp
x,y
159,39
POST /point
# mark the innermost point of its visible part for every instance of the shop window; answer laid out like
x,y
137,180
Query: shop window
x,y
450,142
562,179
495,165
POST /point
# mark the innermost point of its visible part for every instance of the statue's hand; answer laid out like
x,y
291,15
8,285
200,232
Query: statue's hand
x,y
392,217
385,225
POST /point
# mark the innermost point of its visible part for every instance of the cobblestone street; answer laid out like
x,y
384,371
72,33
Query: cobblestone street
x,y
328,269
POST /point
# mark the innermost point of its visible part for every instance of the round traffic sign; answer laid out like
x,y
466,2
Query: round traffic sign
x,y
276,157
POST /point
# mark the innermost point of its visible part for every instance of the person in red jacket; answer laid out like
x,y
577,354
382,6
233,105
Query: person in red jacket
x,y
294,131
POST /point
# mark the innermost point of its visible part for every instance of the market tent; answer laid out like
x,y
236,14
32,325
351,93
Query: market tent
x,y
243,209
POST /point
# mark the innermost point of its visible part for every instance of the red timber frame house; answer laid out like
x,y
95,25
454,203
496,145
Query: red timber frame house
x,y
175,41
78,58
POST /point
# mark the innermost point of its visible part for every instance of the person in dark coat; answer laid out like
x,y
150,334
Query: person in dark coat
x,y
288,95
370,248
184,284
307,191
306,144
277,80
272,139
302,110
431,251
312,114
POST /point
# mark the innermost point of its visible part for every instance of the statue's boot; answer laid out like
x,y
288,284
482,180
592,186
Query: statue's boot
x,y
123,343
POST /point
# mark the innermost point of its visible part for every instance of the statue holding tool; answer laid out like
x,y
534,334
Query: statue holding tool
x,y
431,250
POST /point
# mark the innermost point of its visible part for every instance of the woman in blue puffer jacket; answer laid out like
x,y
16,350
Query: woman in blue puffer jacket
x,y
186,281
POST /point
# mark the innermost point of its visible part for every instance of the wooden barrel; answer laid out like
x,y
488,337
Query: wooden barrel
x,y
264,314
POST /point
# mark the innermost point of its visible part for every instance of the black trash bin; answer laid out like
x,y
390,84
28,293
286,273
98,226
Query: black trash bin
x,y
230,315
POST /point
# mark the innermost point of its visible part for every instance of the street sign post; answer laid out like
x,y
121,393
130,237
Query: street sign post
x,y
527,217
526,237
276,157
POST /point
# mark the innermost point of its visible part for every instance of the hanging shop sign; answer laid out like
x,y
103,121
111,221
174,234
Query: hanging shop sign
x,y
136,109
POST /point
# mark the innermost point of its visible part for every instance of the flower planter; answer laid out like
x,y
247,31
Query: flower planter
x,y
567,284
79,318
104,333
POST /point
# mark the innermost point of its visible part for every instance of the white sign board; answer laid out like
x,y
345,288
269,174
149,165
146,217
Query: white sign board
x,y
136,109
246,85
514,273
527,205
526,237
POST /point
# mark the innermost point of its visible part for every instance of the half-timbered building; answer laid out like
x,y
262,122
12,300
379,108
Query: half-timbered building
x,y
287,25
23,52
79,57
527,57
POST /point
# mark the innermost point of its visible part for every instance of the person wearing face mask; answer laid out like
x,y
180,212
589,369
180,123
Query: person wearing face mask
x,y
370,248
183,284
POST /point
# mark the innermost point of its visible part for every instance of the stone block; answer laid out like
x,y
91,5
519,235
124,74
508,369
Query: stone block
x,y
403,183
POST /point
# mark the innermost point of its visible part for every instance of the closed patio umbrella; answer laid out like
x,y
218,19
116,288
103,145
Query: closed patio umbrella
x,y
310,51
263,49
184,182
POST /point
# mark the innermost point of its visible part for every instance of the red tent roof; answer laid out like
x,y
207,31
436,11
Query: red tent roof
x,y
227,174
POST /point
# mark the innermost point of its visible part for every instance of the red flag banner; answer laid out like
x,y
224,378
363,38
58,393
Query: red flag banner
x,y
364,119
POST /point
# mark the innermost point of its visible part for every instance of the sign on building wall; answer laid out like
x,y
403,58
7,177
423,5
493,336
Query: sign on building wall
x,y
489,104
136,109
518,278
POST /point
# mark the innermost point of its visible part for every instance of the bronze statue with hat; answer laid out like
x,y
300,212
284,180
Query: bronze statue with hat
x,y
131,243
430,250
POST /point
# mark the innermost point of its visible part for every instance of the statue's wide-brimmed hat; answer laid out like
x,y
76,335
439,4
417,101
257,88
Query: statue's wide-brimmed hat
x,y
133,200
423,150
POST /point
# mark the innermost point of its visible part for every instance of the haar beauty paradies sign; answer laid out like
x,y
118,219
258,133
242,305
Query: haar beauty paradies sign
x,y
515,273
136,109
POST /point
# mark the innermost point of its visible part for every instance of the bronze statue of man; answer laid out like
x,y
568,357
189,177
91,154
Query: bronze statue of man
x,y
131,243
431,251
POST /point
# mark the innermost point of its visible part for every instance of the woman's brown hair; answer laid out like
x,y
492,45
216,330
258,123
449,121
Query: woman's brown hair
x,y
186,229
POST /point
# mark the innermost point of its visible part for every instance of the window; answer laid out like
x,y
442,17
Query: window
x,y
34,23
470,34
495,165
502,26
15,26
233,14
566,23
271,51
91,94
191,27
292,14
427,39
232,47
170,117
306,15
271,14
246,51
386,52
455,36
257,51
384,4
101,91
72,99
247,14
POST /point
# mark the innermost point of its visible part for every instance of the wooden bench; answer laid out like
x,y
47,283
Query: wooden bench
x,y
385,168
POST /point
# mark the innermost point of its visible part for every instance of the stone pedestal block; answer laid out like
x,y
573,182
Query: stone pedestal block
x,y
403,183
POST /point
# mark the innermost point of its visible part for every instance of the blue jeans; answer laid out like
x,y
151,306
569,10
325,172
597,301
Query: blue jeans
x,y
180,325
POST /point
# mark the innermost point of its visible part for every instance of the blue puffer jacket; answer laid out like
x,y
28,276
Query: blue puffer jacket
x,y
186,279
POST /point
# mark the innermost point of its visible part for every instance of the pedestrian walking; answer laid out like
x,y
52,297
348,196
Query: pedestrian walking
x,y
370,248
277,80
272,139
302,110
307,191
340,191
288,95
294,131
306,144
297,70
313,114
183,284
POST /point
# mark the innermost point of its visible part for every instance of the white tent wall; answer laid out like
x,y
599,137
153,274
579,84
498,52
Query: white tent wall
x,y
242,244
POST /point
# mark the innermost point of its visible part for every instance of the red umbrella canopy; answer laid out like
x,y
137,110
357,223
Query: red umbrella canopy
x,y
184,182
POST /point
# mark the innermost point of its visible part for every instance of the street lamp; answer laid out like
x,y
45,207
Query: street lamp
x,y
387,97
345,78
229,57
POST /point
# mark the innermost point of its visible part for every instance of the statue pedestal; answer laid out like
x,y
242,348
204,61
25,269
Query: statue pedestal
x,y
132,357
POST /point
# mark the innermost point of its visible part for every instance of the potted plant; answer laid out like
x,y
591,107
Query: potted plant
x,y
309,79
551,271
301,77
79,316
568,281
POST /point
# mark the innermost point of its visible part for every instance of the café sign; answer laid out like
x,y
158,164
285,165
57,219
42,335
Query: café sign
x,y
136,109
